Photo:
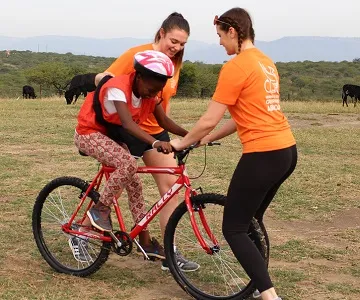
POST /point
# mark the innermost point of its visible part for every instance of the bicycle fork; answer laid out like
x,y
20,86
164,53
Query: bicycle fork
x,y
192,208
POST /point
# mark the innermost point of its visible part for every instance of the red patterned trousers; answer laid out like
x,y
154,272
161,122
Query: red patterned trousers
x,y
110,153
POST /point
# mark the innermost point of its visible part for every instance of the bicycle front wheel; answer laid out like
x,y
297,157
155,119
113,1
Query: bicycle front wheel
x,y
66,253
220,275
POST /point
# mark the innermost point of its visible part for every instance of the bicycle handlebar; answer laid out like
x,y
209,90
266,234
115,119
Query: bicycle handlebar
x,y
180,155
191,147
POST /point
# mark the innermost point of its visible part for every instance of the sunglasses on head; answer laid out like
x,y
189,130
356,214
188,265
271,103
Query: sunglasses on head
x,y
216,21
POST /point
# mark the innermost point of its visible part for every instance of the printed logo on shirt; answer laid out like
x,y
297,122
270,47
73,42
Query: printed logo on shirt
x,y
271,86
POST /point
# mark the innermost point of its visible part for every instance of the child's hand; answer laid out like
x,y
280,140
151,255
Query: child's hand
x,y
164,147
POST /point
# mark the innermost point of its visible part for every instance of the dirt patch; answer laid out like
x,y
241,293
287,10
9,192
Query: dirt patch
x,y
6,199
163,289
298,120
338,235
282,230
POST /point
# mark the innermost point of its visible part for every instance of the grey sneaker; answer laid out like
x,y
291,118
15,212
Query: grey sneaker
x,y
79,248
256,294
184,264
100,217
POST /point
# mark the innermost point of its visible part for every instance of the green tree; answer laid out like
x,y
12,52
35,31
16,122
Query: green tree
x,y
299,82
188,85
207,78
53,75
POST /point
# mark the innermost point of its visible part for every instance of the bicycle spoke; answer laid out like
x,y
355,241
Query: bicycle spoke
x,y
220,274
52,215
54,202
66,253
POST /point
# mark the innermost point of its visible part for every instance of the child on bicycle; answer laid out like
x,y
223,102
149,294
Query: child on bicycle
x,y
248,86
114,112
170,39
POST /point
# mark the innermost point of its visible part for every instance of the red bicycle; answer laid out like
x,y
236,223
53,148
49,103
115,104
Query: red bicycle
x,y
195,228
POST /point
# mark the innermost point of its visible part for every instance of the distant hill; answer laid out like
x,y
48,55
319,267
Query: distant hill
x,y
282,50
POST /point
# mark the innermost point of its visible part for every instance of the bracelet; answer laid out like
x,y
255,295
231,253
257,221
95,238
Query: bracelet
x,y
152,145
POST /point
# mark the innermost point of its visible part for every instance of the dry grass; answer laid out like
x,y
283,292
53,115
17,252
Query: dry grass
x,y
314,222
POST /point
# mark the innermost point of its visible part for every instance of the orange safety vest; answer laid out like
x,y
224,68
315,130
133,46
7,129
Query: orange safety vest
x,y
87,122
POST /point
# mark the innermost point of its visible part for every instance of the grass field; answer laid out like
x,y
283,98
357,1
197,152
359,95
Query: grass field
x,y
313,223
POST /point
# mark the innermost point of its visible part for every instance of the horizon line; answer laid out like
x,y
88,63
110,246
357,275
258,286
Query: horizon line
x,y
207,42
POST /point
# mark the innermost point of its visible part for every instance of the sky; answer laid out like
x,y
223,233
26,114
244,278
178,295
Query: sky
x,y
141,19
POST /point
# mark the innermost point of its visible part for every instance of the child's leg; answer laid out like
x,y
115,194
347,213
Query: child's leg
x,y
137,207
112,154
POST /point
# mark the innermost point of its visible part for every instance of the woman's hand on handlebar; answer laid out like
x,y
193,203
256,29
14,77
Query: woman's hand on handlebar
x,y
176,144
164,147
204,141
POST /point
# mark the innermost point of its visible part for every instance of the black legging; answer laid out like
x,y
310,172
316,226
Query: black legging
x,y
254,184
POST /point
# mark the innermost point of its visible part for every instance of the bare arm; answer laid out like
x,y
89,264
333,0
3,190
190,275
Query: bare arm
x,y
203,126
100,76
134,129
128,123
166,123
167,112
122,65
228,128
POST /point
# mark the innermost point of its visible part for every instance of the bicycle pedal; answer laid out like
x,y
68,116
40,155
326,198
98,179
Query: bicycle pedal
x,y
152,258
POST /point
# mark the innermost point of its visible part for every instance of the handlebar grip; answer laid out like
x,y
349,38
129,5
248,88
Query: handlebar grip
x,y
213,144
160,149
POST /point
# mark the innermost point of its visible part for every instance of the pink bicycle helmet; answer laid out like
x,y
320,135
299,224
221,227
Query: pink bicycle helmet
x,y
154,63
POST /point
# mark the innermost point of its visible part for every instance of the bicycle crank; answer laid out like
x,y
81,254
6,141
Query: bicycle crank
x,y
122,243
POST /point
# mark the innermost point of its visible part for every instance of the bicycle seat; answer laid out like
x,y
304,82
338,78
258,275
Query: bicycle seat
x,y
82,153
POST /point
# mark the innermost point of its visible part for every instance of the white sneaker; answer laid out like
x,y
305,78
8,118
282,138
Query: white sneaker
x,y
79,248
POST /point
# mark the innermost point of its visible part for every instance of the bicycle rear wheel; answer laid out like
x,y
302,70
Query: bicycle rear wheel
x,y
53,208
220,275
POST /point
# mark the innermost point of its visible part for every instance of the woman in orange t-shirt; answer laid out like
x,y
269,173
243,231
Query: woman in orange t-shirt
x,y
248,86
170,39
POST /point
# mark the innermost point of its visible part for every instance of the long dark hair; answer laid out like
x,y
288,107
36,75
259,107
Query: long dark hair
x,y
174,21
240,20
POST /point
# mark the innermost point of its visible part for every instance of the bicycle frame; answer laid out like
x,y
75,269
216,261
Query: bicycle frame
x,y
182,181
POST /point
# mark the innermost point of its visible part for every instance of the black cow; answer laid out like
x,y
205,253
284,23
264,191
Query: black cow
x,y
69,95
28,92
80,84
350,90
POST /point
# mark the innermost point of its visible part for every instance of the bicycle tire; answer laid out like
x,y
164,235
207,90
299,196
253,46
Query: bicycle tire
x,y
207,283
54,205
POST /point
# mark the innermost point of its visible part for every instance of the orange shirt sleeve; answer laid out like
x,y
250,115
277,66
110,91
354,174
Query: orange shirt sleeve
x,y
230,84
124,64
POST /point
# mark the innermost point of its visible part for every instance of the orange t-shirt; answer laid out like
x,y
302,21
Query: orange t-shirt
x,y
87,118
249,85
124,64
